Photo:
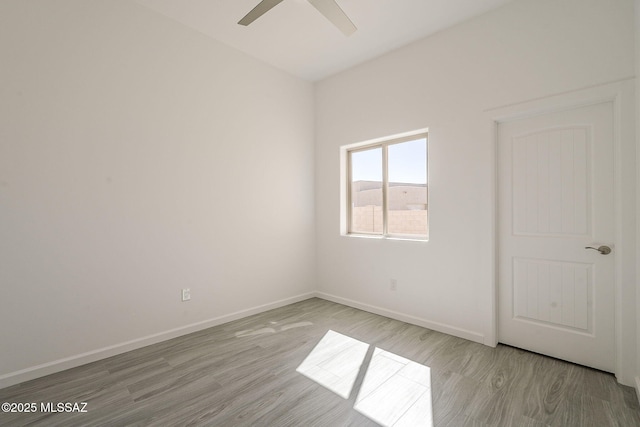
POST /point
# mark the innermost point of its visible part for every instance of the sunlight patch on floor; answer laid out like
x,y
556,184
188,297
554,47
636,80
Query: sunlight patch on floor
x,y
335,362
263,331
395,391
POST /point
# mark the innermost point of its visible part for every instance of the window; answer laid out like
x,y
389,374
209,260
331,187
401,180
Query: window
x,y
387,192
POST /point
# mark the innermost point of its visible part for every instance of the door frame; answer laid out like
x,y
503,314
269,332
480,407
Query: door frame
x,y
621,93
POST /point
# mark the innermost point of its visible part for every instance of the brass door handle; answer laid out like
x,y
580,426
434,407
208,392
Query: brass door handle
x,y
604,250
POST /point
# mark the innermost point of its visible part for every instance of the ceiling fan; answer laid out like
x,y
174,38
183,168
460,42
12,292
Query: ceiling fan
x,y
329,8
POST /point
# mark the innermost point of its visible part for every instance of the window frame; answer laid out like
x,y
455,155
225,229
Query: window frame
x,y
384,145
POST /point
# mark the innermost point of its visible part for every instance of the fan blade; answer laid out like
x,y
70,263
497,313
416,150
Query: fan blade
x,y
263,7
331,11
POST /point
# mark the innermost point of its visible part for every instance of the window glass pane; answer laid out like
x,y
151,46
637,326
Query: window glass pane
x,y
407,194
366,191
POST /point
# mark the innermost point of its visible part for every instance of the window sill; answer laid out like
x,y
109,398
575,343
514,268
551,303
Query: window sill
x,y
379,237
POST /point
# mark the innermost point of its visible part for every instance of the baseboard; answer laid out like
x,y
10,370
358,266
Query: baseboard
x,y
425,323
59,365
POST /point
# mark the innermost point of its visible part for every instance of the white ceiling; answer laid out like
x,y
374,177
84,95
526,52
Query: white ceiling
x,y
295,37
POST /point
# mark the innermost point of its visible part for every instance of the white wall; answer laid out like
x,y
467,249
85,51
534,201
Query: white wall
x,y
138,157
637,63
526,50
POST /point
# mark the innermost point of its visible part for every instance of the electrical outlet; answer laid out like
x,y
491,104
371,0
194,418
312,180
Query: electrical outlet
x,y
186,294
393,285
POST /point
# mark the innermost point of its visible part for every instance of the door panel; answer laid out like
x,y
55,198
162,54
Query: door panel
x,y
555,193
550,182
553,293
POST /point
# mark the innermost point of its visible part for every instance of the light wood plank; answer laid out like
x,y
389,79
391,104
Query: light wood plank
x,y
215,377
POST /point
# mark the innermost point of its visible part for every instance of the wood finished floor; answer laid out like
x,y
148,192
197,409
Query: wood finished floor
x,y
244,373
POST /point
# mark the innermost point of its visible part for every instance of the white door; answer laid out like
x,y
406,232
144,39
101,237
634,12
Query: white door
x,y
555,192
